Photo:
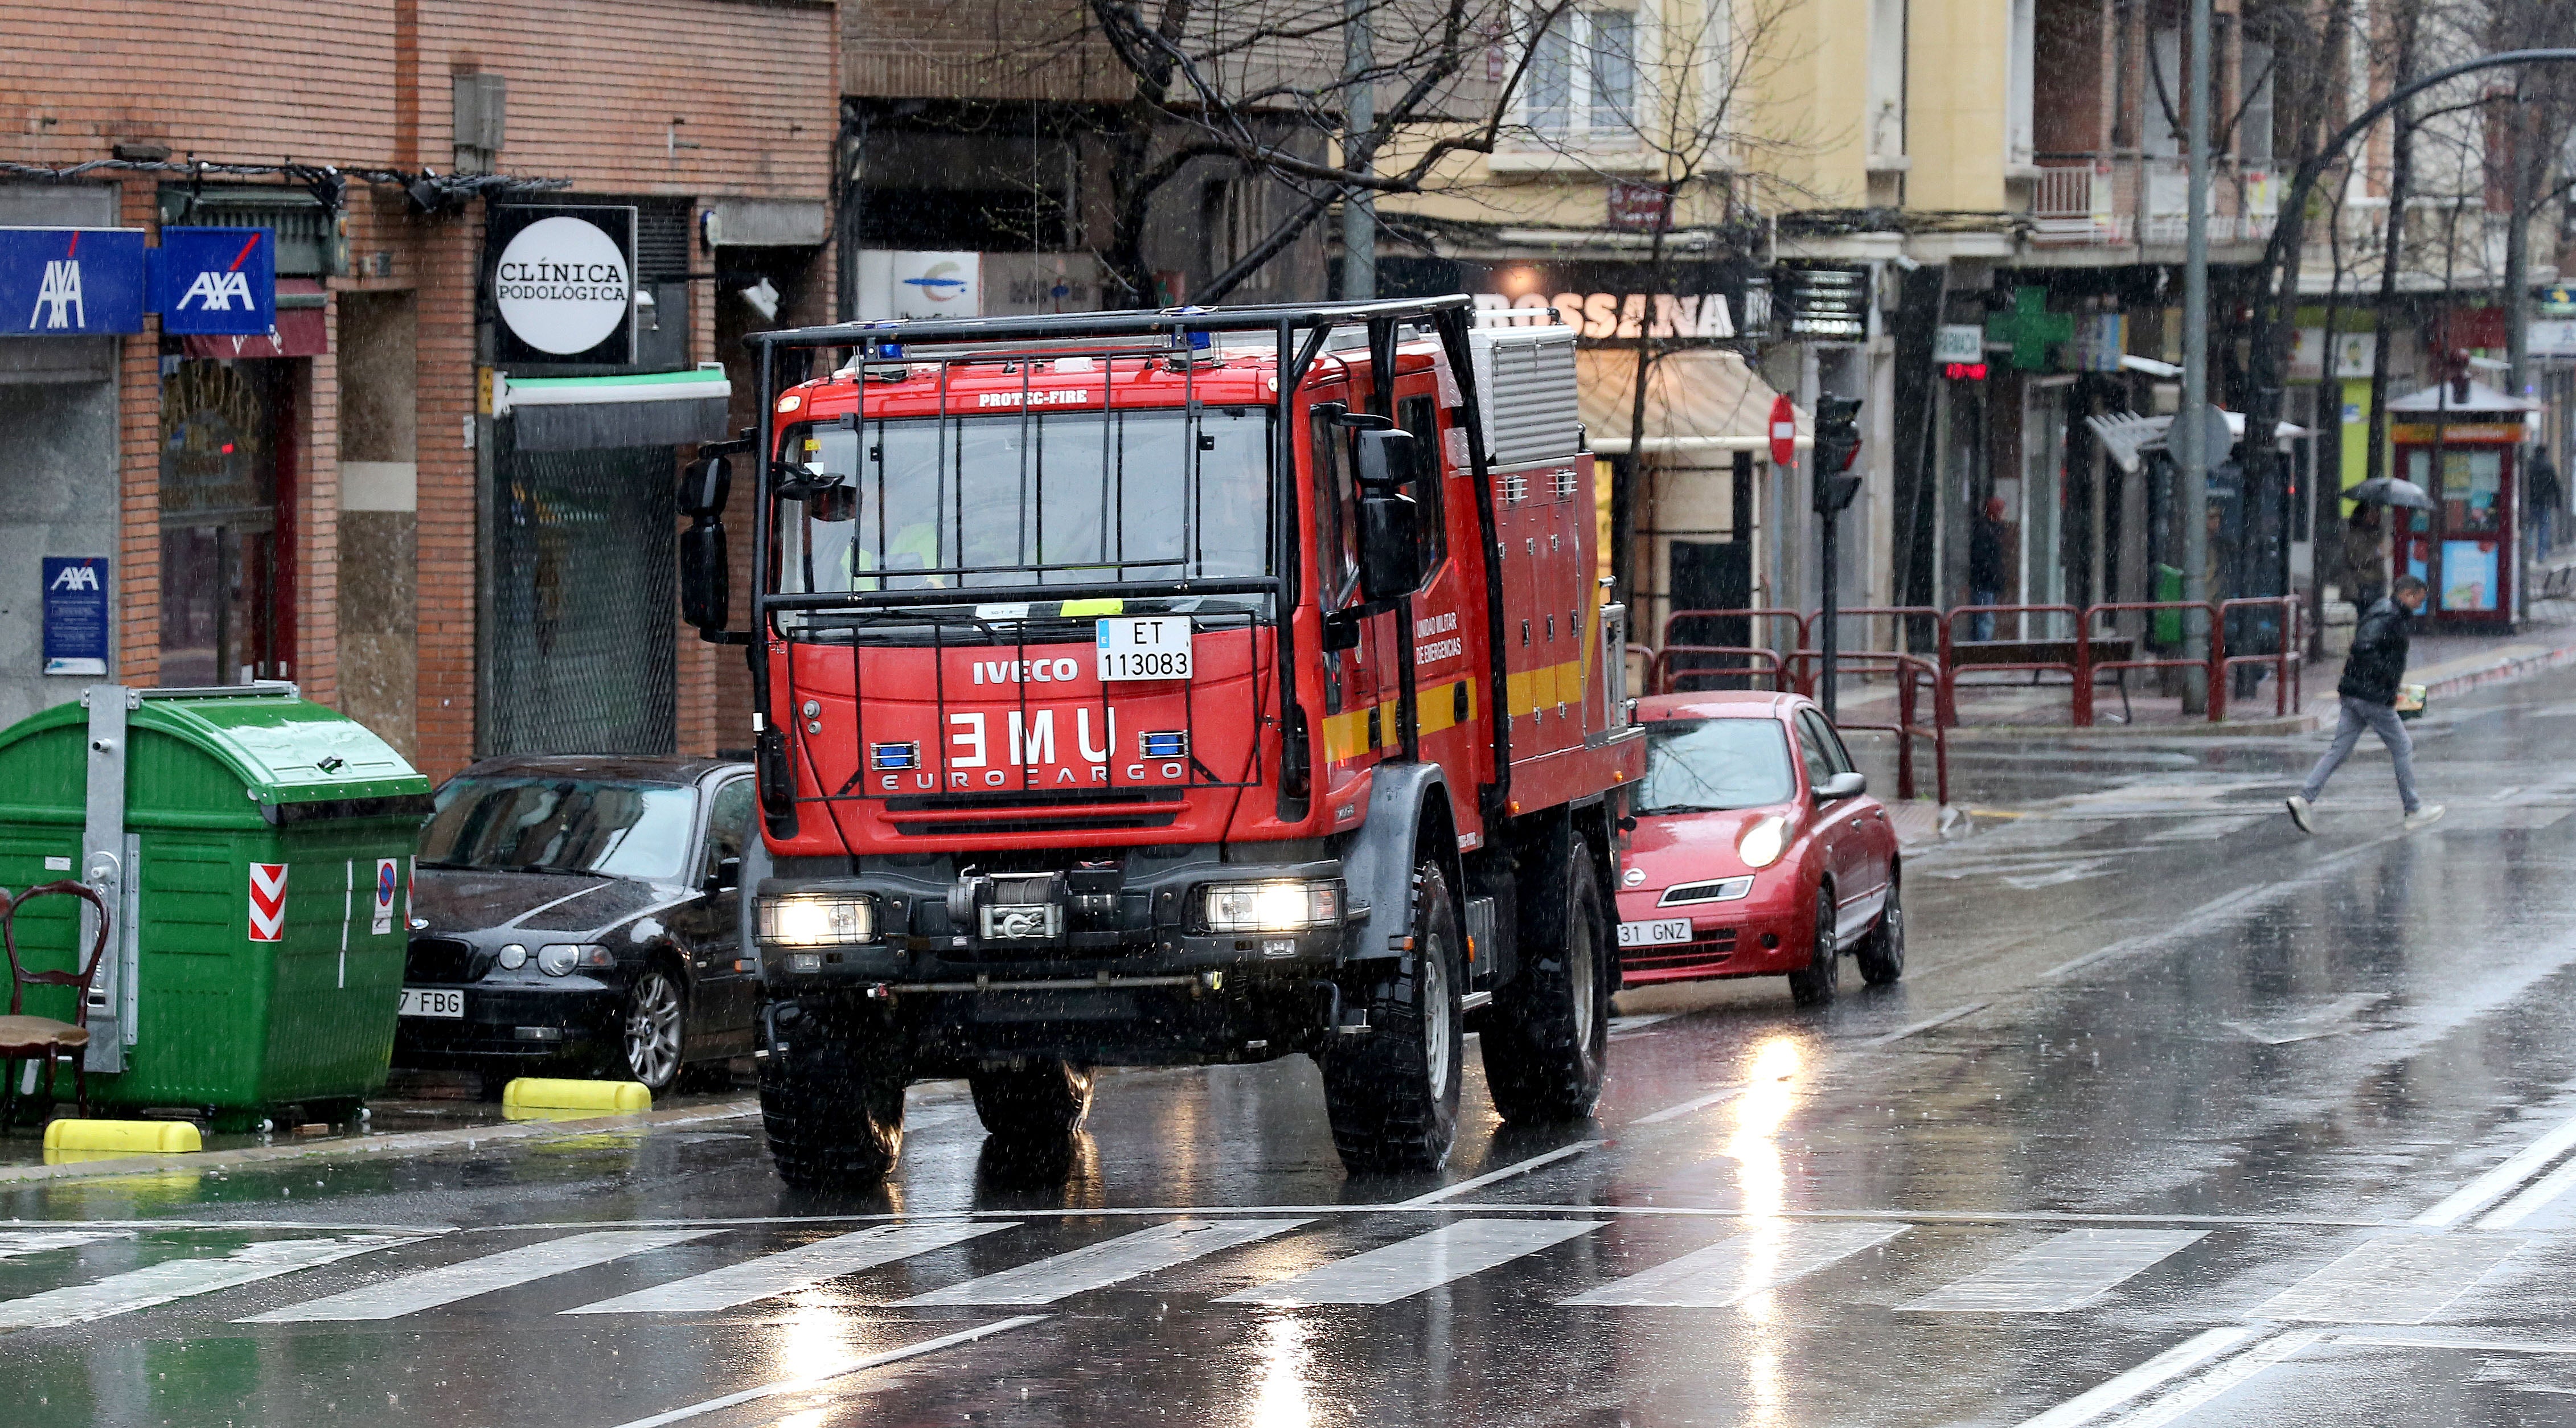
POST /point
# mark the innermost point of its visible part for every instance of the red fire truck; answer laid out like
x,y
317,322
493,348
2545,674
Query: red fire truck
x,y
1174,688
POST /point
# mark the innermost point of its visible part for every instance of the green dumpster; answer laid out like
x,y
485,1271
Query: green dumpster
x,y
257,850
2164,627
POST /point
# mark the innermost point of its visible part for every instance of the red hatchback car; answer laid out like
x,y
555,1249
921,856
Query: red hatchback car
x,y
1757,852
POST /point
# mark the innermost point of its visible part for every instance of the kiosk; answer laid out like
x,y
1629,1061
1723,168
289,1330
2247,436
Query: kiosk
x,y
2472,435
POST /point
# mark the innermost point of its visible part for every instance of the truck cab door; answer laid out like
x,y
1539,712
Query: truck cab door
x,y
1354,676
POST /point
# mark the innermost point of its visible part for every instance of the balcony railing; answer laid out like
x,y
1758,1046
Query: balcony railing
x,y
2086,200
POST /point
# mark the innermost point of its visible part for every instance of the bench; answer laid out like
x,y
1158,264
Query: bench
x,y
2106,649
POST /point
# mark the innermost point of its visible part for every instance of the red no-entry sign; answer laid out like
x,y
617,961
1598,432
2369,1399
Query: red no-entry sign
x,y
1784,431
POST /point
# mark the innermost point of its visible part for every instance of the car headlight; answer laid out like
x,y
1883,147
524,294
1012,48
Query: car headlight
x,y
816,919
1762,843
557,959
1288,905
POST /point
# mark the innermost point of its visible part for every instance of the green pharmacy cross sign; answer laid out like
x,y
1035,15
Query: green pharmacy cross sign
x,y
2031,329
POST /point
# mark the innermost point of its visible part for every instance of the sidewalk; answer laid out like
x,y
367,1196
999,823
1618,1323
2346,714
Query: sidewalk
x,y
2008,706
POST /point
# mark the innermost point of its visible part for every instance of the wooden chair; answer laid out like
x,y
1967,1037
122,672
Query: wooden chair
x,y
28,1038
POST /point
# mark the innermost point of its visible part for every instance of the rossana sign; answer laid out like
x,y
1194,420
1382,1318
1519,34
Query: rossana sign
x,y
563,283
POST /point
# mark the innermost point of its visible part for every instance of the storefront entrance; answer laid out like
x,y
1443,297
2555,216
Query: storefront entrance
x,y
225,600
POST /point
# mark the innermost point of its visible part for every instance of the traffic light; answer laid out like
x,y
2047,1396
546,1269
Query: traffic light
x,y
1837,446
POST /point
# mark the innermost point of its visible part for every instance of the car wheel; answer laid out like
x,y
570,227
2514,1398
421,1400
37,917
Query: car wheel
x,y
1392,1094
1881,954
656,1016
1545,1040
1039,1099
1814,987
831,1097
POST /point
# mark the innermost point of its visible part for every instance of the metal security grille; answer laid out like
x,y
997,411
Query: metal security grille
x,y
580,651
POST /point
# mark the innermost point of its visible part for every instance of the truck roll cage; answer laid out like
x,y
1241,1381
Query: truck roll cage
x,y
1300,331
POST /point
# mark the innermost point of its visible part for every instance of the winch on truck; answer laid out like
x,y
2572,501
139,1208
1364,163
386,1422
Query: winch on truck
x,y
1174,688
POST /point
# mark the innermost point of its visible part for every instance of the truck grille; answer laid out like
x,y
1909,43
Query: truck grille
x,y
445,959
1706,947
1080,811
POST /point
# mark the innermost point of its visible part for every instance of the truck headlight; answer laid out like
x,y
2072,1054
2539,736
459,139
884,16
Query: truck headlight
x,y
1287,905
816,919
557,959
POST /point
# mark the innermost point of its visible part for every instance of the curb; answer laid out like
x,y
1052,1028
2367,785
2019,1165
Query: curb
x,y
2498,671
404,1143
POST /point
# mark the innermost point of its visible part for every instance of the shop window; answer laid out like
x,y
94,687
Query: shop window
x,y
224,593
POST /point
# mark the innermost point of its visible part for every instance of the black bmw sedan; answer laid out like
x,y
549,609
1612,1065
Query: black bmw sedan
x,y
580,913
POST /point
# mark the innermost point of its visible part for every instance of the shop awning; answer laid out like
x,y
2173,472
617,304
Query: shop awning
x,y
2127,436
591,413
300,330
1698,402
2478,398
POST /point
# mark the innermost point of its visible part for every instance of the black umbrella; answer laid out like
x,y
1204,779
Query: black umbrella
x,y
2390,491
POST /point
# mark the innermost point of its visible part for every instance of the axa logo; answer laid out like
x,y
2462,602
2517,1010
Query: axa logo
x,y
215,289
76,577
61,292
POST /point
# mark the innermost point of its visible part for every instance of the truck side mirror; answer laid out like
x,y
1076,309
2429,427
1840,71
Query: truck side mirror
x,y
1390,546
704,485
706,580
1383,453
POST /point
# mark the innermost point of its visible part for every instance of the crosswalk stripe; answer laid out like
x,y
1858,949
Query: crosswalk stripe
x,y
2393,1280
182,1278
1408,1267
23,1242
1106,1263
429,1288
791,1271
2067,1272
1740,1266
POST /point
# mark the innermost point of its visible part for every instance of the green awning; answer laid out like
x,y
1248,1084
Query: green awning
x,y
589,413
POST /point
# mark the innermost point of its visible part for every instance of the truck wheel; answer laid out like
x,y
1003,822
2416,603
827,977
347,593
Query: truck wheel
x,y
1548,1034
1039,1099
1814,987
1881,954
1392,1095
831,1100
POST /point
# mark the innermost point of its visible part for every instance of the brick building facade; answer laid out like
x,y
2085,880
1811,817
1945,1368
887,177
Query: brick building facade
x,y
334,509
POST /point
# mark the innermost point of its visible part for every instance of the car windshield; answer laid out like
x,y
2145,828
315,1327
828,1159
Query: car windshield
x,y
560,825
1697,765
1030,498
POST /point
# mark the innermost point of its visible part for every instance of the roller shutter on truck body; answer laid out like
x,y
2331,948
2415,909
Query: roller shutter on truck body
x,y
1531,409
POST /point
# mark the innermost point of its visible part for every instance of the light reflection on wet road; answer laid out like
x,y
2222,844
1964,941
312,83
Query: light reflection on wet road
x,y
2177,1118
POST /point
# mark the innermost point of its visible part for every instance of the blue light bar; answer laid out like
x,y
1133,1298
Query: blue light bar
x,y
1170,744
888,757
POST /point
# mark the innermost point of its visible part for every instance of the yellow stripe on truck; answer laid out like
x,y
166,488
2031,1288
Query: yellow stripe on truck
x,y
1435,706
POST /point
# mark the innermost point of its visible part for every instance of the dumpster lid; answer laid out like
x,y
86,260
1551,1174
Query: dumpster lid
x,y
285,748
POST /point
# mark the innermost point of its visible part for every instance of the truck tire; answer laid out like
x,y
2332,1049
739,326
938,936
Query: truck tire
x,y
1814,987
831,1100
1881,955
1392,1094
1039,1099
1548,1036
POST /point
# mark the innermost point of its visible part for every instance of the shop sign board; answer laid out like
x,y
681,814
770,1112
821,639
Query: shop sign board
x,y
70,282
1824,302
75,614
216,282
1958,342
563,283
1688,302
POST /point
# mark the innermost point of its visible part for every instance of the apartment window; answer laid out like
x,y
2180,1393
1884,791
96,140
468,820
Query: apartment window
x,y
2017,92
1581,87
1234,216
2254,122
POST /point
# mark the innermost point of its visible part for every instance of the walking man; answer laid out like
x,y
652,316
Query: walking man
x,y
2369,690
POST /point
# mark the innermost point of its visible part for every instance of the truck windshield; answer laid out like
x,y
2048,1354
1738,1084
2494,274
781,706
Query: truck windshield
x,y
1698,765
560,825
1030,498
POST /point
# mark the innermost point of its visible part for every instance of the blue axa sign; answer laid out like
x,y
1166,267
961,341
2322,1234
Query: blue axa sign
x,y
70,282
217,282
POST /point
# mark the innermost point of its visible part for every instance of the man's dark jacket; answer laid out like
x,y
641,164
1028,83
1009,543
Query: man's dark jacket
x,y
2378,661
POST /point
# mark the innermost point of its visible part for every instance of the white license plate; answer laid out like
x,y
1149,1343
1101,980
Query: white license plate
x,y
431,1001
1655,932
1144,647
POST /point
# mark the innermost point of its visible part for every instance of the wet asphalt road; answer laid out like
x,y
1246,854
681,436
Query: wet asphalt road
x,y
2176,1118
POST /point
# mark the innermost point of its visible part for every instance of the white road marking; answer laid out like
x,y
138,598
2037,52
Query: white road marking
x,y
1739,1267
2398,1279
1695,1103
1106,1263
2067,1272
430,1288
1627,1025
791,1271
1524,1167
1408,1267
20,1242
2222,1378
2523,1206
1944,1019
2107,1397
2497,1183
2465,1345
181,1279
800,1385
